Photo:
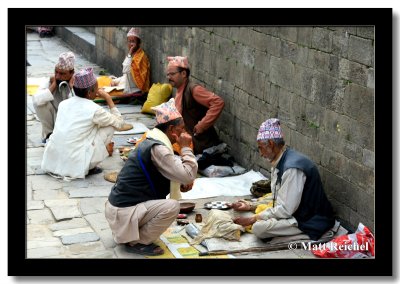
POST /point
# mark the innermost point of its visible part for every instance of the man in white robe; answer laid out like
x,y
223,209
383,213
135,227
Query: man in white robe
x,y
82,130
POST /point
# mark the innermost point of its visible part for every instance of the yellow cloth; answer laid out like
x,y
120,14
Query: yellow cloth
x,y
32,89
260,208
157,134
103,81
158,94
140,70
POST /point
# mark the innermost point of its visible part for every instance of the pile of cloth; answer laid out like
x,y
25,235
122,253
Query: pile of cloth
x,y
261,188
218,224
215,162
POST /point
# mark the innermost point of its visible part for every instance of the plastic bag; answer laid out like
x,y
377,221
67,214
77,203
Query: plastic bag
x,y
222,171
218,149
207,160
158,94
361,244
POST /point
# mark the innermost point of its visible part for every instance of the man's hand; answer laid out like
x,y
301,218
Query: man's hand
x,y
187,187
102,94
53,84
184,140
196,130
241,205
131,50
245,221
106,96
71,82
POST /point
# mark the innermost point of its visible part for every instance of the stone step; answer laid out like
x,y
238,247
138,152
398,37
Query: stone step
x,y
82,40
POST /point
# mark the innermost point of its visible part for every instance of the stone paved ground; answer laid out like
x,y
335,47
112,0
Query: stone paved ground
x,y
65,219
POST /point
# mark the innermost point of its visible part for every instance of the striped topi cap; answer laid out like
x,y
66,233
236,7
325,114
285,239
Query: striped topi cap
x,y
271,128
134,32
84,78
66,61
178,61
166,112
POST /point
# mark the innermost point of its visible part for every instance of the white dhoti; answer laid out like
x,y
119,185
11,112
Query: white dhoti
x,y
102,139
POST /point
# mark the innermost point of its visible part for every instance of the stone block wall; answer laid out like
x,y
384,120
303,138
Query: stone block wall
x,y
111,48
318,80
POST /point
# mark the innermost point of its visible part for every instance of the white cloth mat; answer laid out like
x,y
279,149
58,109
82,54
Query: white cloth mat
x,y
248,240
223,186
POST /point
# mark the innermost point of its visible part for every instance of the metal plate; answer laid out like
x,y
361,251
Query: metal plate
x,y
221,205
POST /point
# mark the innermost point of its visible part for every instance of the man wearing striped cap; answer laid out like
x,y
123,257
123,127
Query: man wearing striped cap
x,y
299,204
137,209
200,108
51,93
82,131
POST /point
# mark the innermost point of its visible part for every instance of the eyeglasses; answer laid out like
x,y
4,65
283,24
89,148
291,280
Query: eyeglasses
x,y
172,73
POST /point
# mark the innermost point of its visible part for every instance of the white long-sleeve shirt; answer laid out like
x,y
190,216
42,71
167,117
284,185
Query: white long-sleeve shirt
x,y
180,169
130,85
287,194
104,118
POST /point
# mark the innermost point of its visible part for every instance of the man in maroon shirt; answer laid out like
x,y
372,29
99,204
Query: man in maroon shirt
x,y
199,107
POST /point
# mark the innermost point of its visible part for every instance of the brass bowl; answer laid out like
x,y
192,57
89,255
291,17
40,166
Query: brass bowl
x,y
187,207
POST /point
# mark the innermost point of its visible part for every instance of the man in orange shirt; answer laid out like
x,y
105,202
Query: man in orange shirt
x,y
135,68
199,107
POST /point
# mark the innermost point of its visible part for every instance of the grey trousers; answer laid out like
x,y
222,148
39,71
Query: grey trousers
x,y
143,223
275,228
47,115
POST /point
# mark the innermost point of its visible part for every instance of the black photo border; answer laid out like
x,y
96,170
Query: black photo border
x,y
381,18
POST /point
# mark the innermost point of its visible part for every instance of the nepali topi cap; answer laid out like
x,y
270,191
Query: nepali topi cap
x,y
178,61
269,129
166,112
66,61
85,78
134,32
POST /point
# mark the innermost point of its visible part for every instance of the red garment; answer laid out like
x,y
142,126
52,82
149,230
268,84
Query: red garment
x,y
214,103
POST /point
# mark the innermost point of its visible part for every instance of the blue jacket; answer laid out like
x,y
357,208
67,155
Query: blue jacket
x,y
139,180
314,214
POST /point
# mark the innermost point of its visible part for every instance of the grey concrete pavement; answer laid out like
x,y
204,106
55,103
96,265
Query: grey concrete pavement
x,y
65,219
